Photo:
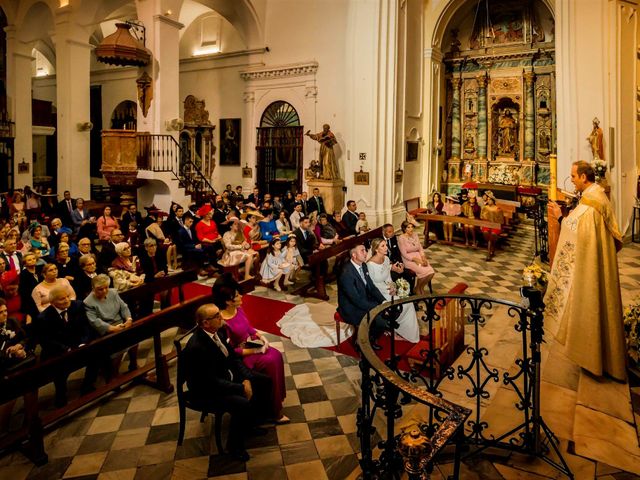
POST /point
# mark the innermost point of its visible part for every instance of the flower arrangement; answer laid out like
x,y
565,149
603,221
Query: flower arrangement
x,y
402,288
600,167
534,275
631,318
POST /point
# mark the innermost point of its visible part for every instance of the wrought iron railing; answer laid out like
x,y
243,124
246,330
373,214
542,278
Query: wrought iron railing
x,y
387,387
162,153
538,212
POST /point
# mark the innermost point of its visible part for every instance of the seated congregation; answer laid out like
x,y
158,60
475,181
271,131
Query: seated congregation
x,y
73,272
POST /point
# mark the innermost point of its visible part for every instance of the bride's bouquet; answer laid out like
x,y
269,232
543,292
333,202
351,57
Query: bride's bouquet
x,y
402,288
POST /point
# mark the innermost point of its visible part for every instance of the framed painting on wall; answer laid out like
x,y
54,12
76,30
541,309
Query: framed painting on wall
x,y
229,141
412,151
361,178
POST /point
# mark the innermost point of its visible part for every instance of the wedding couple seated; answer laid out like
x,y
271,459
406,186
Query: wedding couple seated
x,y
363,285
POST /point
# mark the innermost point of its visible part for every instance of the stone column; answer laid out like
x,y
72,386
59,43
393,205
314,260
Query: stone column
x,y
249,154
529,117
455,120
72,95
163,39
19,104
432,159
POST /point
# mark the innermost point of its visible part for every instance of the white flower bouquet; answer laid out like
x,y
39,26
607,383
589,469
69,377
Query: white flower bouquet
x,y
402,288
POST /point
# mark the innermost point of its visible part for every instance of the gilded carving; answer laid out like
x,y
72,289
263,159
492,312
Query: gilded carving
x,y
194,111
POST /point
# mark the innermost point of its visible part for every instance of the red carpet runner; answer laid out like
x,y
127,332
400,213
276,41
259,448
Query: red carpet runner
x,y
263,314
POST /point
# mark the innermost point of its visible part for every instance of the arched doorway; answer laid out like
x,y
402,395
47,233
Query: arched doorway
x,y
279,149
124,116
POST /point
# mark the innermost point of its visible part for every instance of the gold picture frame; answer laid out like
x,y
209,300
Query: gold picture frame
x,y
23,167
361,178
247,172
398,175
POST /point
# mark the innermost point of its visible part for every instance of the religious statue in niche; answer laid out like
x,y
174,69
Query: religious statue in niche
x,y
507,133
595,141
327,140
469,144
544,142
145,92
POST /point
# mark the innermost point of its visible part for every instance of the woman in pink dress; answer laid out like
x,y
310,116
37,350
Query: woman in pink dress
x,y
106,224
264,359
414,257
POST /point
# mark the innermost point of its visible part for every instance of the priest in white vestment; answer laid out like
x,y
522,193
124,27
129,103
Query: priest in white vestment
x,y
583,302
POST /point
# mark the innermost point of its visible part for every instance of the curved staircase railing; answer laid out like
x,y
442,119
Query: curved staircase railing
x,y
421,424
162,153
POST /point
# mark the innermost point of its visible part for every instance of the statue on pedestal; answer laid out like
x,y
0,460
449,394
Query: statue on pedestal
x,y
595,141
327,157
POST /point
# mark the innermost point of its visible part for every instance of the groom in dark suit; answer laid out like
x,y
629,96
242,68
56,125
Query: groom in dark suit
x,y
357,294
217,377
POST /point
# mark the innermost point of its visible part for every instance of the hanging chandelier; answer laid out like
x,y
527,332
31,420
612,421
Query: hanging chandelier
x,y
122,48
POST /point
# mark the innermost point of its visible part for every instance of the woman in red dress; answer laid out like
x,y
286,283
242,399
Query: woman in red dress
x,y
207,232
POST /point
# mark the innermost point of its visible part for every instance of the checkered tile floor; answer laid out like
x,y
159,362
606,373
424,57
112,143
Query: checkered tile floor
x,y
132,435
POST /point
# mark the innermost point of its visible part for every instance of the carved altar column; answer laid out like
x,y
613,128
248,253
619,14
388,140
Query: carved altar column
x,y
455,120
481,173
529,117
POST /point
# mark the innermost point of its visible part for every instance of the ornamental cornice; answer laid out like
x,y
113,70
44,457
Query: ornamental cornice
x,y
281,71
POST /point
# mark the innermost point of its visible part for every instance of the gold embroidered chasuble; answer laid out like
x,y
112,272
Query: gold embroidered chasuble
x,y
583,303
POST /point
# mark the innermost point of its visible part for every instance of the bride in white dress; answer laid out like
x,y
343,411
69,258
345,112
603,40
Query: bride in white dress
x,y
379,267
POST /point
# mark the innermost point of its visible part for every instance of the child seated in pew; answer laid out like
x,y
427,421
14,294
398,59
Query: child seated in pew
x,y
362,225
275,267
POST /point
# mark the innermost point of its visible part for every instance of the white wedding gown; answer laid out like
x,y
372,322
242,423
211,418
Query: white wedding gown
x,y
407,322
311,325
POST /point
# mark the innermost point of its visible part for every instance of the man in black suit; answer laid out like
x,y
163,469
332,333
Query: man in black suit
x,y
393,252
132,215
350,218
188,245
61,327
255,198
11,257
357,294
65,207
216,376
306,239
237,195
315,203
108,253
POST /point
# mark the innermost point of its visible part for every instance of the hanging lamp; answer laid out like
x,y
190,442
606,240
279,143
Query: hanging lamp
x,y
122,48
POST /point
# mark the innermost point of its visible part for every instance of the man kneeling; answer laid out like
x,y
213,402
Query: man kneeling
x,y
216,376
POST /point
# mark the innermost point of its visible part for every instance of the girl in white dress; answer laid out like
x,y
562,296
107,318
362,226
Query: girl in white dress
x,y
274,267
379,267
292,256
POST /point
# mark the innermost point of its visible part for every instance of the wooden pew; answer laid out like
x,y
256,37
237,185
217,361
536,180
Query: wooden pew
x,y
25,382
147,291
427,217
317,263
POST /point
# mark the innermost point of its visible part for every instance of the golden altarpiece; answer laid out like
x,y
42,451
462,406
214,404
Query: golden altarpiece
x,y
500,96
